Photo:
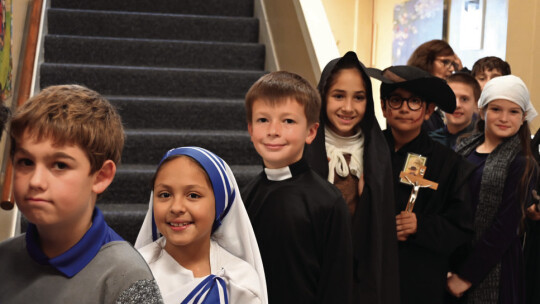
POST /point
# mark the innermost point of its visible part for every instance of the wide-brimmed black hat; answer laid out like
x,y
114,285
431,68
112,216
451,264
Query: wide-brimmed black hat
x,y
432,89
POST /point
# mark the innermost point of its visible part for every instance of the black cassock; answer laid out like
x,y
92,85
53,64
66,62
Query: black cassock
x,y
444,218
303,232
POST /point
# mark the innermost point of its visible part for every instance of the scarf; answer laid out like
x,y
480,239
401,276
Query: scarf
x,y
337,146
491,190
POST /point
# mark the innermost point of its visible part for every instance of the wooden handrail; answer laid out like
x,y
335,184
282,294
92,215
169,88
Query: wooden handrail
x,y
24,89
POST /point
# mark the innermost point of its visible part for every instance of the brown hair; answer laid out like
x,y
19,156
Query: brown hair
x,y
275,88
467,79
490,63
72,114
424,55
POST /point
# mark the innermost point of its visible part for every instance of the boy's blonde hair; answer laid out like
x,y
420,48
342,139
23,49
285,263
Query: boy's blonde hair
x,y
72,114
275,88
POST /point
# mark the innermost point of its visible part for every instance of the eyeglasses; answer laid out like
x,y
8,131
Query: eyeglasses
x,y
448,63
414,103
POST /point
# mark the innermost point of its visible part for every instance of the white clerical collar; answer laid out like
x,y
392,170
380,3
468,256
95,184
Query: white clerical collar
x,y
278,174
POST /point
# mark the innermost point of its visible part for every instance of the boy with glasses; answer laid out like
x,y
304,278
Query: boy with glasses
x,y
433,212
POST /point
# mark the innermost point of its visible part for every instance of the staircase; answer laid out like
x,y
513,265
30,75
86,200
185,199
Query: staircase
x,y
177,71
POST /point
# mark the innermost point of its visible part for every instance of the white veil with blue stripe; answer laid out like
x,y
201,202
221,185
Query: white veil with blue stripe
x,y
232,229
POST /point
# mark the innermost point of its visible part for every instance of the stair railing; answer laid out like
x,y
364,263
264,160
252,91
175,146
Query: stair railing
x,y
25,78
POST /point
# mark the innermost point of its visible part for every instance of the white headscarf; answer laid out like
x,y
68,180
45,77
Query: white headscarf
x,y
232,229
511,88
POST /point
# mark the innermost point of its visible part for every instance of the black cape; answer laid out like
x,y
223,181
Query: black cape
x,y
302,229
445,218
373,222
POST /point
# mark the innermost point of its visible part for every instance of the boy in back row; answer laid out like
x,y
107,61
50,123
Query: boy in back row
x,y
65,144
301,221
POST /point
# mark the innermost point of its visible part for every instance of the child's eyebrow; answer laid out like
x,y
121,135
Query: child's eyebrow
x,y
62,155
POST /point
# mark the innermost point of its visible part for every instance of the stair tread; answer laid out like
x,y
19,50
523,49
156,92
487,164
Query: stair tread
x,y
143,68
156,40
150,14
217,7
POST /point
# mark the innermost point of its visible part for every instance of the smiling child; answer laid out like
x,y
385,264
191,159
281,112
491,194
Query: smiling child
x,y
300,220
196,237
350,151
442,218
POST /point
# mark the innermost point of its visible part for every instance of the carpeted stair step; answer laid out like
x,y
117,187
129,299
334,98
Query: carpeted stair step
x,y
180,113
195,7
152,26
145,81
153,52
133,182
125,219
233,146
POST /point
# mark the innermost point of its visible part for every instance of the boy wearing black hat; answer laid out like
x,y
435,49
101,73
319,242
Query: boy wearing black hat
x,y
434,215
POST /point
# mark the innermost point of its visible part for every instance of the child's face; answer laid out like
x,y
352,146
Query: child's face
x,y
346,102
279,132
503,119
184,204
486,75
465,106
404,120
53,186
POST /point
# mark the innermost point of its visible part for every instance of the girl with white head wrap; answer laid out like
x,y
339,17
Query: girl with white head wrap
x,y
510,88
237,274
501,187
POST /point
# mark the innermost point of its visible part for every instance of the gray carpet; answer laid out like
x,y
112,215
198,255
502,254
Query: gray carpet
x,y
177,71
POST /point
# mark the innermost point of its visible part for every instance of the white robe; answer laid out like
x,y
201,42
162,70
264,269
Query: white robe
x,y
176,282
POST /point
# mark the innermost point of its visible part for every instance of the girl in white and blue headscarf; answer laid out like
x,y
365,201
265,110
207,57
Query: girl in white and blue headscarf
x,y
196,236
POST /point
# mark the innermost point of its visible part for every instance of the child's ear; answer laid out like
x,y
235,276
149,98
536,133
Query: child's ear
x,y
312,132
429,110
104,176
250,129
481,113
383,107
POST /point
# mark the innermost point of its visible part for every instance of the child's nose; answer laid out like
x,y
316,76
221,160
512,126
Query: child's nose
x,y
178,206
347,105
38,179
274,128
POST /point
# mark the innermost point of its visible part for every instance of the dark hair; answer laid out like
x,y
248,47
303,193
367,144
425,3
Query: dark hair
x,y
277,87
424,55
467,79
490,63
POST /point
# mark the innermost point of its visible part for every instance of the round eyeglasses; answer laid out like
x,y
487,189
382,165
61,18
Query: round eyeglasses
x,y
414,103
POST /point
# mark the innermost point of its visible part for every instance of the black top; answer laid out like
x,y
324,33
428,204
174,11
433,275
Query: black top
x,y
531,249
445,218
303,232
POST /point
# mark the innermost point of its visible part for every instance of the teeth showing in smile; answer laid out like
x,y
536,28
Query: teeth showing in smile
x,y
179,224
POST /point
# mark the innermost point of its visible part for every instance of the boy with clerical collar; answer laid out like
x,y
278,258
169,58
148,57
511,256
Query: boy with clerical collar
x,y
434,214
463,119
300,220
65,144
